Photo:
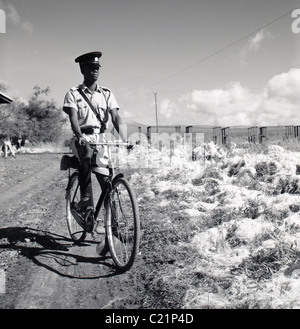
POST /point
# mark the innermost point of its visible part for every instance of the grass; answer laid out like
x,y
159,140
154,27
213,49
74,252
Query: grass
x,y
217,239
267,262
221,235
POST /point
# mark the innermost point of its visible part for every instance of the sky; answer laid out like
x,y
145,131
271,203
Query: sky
x,y
229,62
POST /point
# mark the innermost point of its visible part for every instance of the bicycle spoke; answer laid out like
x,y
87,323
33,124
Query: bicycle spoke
x,y
123,225
75,221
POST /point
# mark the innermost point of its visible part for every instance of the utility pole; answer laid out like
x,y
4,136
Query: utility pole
x,y
155,99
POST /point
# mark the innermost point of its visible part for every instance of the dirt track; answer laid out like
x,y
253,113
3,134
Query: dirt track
x,y
43,268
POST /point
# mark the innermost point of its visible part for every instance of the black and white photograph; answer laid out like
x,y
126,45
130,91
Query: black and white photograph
x,y
149,157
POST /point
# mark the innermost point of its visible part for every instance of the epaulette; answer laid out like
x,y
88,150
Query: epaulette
x,y
105,88
74,88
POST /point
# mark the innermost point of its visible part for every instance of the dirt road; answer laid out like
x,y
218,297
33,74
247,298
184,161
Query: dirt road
x,y
40,266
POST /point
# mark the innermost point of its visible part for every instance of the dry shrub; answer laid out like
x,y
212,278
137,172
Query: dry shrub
x,y
173,275
164,294
265,169
282,185
220,215
267,261
211,187
253,208
209,172
288,185
231,237
294,207
275,216
235,168
165,278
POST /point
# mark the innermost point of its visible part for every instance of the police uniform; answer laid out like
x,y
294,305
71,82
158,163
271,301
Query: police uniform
x,y
102,99
92,124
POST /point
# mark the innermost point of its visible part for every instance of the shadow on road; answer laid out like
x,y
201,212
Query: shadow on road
x,y
57,253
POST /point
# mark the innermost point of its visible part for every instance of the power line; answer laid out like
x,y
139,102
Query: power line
x,y
214,53
155,101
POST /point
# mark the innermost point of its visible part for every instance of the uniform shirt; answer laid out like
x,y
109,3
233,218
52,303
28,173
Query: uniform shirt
x,y
102,99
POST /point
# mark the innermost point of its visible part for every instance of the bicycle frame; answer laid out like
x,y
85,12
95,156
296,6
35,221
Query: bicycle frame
x,y
121,220
104,194
112,178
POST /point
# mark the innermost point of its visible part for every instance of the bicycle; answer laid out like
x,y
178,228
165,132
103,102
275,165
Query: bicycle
x,y
121,220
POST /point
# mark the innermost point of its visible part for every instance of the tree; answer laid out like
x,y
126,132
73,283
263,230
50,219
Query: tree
x,y
13,120
45,119
39,121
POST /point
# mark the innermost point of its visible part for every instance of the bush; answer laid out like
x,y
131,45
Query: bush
x,y
38,121
268,261
45,119
235,168
264,169
294,207
211,187
252,209
220,215
288,185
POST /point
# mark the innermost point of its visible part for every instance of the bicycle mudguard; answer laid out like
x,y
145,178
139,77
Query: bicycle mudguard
x,y
70,179
103,195
68,161
117,177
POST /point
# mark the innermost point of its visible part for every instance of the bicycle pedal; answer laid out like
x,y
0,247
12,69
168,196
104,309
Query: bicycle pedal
x,y
89,226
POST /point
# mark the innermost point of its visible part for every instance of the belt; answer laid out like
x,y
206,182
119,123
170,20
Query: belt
x,y
90,130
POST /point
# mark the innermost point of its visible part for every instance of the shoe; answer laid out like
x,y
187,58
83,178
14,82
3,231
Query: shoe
x,y
84,202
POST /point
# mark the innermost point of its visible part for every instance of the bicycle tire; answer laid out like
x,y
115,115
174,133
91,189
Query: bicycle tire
x,y
76,225
122,224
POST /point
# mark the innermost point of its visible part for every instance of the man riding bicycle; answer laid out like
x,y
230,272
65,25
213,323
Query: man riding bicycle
x,y
89,106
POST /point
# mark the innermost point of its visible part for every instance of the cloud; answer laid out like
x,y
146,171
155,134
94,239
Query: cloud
x,y
255,42
167,109
12,14
27,26
14,18
276,104
285,85
126,115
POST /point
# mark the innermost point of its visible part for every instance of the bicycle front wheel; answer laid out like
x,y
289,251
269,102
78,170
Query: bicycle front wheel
x,y
122,224
76,225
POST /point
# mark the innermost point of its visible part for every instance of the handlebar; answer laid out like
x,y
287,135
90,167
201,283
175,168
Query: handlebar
x,y
110,144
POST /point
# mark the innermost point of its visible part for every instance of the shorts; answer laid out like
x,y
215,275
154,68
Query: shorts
x,y
103,158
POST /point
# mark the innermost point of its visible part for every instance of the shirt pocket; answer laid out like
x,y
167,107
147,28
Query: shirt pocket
x,y
82,108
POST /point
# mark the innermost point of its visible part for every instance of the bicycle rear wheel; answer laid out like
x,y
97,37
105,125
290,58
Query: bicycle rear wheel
x,y
76,225
122,224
